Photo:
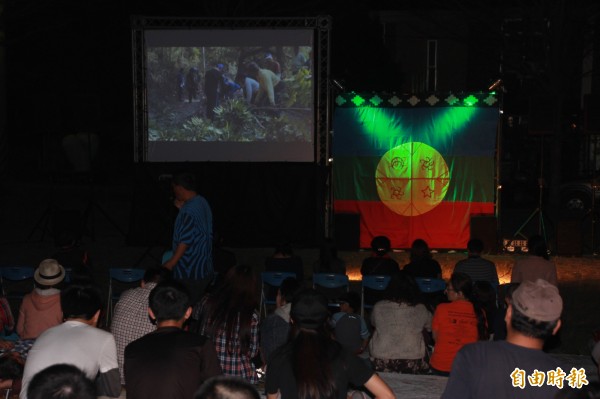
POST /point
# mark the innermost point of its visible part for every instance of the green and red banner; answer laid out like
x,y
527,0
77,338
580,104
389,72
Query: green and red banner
x,y
415,166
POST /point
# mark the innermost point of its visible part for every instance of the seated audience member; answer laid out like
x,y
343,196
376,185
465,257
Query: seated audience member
x,y
536,264
130,320
398,344
312,364
284,260
227,388
350,328
11,372
40,309
77,341
456,323
61,381
230,319
380,263
328,261
421,262
475,266
275,329
493,369
169,362
7,321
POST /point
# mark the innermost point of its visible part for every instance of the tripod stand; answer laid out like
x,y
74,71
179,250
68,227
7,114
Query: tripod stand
x,y
541,228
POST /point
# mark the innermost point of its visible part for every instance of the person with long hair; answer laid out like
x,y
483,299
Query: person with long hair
x,y
455,324
422,263
535,265
314,366
398,344
230,319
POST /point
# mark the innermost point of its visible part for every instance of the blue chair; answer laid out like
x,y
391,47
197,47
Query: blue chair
x,y
125,277
430,285
166,256
271,280
331,285
17,275
376,283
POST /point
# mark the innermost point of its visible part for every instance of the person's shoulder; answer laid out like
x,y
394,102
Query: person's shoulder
x,y
422,308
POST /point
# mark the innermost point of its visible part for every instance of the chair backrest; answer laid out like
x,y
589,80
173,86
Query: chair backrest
x,y
372,282
126,275
331,285
428,285
270,281
17,273
168,254
378,283
330,280
275,279
16,282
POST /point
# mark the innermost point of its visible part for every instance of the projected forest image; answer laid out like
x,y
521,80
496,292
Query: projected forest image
x,y
241,94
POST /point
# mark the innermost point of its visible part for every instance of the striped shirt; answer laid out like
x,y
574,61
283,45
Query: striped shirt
x,y
478,269
193,227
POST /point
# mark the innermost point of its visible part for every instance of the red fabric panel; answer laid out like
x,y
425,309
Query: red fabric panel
x,y
438,227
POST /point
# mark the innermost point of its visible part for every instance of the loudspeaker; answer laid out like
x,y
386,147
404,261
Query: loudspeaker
x,y
347,231
485,228
569,237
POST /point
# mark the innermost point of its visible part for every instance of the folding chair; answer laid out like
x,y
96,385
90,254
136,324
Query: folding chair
x,y
374,283
331,285
270,280
430,285
126,277
166,256
17,275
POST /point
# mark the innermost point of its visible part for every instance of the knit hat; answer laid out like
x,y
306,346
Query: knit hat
x,y
309,309
538,300
49,272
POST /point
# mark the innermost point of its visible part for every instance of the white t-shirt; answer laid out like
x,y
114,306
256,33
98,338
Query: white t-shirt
x,y
90,349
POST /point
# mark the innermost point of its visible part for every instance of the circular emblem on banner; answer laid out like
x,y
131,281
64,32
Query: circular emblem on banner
x,y
412,179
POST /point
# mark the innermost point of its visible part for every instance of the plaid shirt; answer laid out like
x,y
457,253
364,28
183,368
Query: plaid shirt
x,y
131,320
233,361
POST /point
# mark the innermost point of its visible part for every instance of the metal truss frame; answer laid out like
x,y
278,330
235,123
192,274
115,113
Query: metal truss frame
x,y
322,88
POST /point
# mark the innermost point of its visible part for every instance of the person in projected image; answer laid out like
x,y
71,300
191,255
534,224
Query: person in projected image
x,y
272,65
191,83
267,82
213,85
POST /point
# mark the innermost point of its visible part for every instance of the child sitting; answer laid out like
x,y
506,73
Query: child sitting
x,y
350,328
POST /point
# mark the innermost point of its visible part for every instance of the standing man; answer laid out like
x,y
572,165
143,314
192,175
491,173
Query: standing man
x,y
169,363
476,267
191,261
213,83
514,368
